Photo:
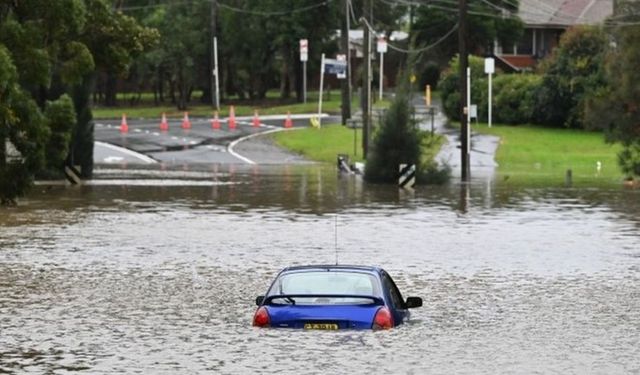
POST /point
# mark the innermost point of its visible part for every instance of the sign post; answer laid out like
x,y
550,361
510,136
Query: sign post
x,y
304,56
215,71
489,68
320,96
331,66
382,49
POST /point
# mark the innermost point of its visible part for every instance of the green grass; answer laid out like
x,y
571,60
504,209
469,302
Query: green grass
x,y
270,106
326,143
531,153
322,144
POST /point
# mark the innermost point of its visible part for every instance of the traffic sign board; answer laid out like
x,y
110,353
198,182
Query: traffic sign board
x,y
382,45
304,50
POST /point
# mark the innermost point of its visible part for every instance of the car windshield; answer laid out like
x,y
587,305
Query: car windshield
x,y
318,283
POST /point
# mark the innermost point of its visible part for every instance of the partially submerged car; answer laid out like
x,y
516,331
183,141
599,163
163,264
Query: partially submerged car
x,y
331,297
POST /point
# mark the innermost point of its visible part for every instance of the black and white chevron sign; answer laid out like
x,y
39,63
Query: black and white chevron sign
x,y
72,174
407,176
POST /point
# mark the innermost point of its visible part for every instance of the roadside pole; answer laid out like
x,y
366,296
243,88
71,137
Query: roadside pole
x,y
464,62
382,49
489,68
304,56
468,145
215,72
427,98
321,82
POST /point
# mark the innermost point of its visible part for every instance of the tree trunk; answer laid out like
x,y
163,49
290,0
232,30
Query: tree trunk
x,y
285,85
110,94
181,89
81,147
3,151
161,84
297,74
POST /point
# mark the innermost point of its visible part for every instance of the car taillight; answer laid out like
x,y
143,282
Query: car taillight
x,y
383,319
261,318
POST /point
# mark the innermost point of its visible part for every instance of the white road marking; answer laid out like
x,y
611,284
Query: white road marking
x,y
247,160
123,150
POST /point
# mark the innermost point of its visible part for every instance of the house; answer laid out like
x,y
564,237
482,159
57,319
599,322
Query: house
x,y
544,22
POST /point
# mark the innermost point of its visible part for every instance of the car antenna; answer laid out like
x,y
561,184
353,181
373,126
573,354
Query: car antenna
x,y
336,238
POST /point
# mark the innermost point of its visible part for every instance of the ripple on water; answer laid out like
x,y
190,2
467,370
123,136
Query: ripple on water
x,y
168,287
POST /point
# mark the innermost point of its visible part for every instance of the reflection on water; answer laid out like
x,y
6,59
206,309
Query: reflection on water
x,y
161,278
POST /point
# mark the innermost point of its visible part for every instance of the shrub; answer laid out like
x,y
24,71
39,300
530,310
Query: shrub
x,y
571,74
430,75
450,89
396,141
514,99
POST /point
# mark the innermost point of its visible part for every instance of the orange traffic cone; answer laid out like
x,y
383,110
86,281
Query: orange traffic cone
x,y
164,125
186,124
287,121
215,123
232,118
124,128
256,119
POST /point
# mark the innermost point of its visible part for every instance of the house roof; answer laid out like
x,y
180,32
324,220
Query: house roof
x,y
517,62
564,13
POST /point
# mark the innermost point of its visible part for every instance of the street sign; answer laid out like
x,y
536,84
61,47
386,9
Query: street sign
x,y
342,57
304,50
335,66
489,65
382,45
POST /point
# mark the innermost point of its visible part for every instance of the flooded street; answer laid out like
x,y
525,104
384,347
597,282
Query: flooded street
x,y
157,272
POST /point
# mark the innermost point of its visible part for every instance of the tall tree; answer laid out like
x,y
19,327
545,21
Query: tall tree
x,y
46,54
488,20
616,106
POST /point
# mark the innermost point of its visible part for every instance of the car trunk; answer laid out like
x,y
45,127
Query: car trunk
x,y
325,317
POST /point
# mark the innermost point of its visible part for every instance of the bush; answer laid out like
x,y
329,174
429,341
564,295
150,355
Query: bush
x,y
571,74
514,99
430,75
397,141
450,89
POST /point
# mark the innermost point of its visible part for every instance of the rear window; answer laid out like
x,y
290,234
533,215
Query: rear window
x,y
316,283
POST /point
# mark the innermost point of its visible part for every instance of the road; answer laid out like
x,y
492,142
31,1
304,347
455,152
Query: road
x,y
483,146
144,143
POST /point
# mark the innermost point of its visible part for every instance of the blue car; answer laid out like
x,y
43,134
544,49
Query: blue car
x,y
328,297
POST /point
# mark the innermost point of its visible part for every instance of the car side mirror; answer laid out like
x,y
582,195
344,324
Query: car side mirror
x,y
413,302
259,300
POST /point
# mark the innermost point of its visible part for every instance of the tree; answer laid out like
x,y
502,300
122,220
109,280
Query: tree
x,y
570,75
396,142
616,106
44,57
435,20
22,124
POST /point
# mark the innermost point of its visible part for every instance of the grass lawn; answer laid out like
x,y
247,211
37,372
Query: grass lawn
x,y
270,106
322,144
532,153
326,143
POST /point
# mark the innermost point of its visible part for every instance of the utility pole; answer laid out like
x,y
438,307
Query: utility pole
x,y
366,79
212,63
464,62
346,83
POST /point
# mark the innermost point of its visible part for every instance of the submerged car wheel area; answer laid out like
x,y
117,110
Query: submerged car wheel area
x,y
333,298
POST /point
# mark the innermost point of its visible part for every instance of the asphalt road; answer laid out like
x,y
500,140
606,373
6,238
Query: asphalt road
x,y
145,143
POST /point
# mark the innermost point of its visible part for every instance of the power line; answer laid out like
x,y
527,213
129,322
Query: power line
x,y
231,8
423,49
273,13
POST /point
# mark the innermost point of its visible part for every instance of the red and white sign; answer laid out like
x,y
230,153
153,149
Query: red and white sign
x,y
382,45
304,50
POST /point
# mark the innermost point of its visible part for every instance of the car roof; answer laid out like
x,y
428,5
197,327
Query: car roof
x,y
329,267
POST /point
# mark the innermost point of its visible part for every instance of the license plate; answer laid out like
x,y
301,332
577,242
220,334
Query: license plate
x,y
323,326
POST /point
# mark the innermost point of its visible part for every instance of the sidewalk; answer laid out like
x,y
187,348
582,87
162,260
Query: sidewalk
x,y
483,147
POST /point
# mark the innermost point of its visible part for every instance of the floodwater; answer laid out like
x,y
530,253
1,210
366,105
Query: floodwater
x,y
157,271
